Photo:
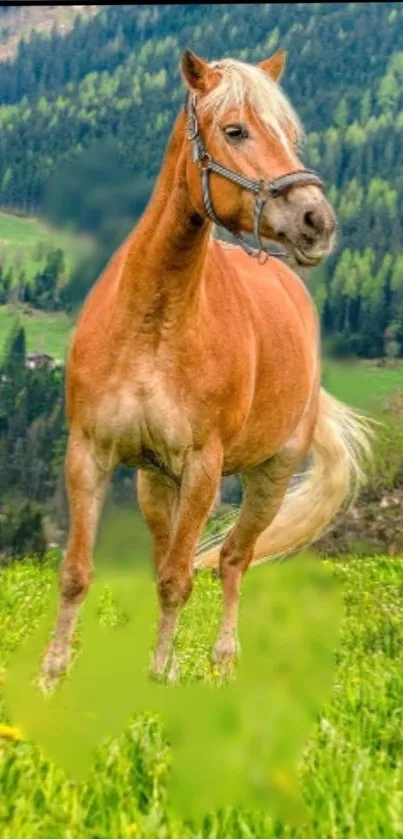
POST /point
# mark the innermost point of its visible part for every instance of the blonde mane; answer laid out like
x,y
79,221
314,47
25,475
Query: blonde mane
x,y
245,83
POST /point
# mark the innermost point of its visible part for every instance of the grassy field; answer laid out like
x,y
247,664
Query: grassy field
x,y
361,384
25,241
351,777
44,332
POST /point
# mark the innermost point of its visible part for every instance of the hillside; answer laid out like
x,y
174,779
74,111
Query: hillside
x,y
114,78
19,22
130,67
36,262
26,241
45,332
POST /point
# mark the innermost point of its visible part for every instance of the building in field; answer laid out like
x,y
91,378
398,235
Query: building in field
x,y
40,361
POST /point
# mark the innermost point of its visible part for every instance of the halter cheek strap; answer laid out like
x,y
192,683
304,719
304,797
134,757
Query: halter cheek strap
x,y
263,190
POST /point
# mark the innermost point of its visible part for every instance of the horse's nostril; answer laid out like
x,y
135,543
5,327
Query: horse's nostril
x,y
314,221
309,219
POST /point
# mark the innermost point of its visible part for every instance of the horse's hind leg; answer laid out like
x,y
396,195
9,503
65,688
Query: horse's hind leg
x,y
158,497
86,482
175,555
264,489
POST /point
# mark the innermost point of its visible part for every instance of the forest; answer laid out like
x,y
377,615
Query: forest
x,y
113,82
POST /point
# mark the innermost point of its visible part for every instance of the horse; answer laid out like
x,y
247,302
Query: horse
x,y
193,359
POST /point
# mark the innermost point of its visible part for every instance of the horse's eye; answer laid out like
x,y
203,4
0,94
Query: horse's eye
x,y
235,132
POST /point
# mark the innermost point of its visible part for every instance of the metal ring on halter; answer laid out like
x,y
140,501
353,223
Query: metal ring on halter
x,y
262,256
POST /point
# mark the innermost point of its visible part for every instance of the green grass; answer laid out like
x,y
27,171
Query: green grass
x,y
25,241
24,244
360,384
44,332
351,777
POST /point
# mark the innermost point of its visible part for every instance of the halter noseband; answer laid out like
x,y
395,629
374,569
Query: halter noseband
x,y
264,190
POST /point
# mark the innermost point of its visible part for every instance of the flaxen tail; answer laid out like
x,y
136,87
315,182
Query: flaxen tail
x,y
339,451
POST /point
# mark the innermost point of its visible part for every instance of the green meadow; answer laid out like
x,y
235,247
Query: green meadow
x,y
362,384
350,776
44,332
25,241
24,245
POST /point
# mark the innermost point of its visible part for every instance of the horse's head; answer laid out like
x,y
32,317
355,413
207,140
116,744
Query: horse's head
x,y
239,117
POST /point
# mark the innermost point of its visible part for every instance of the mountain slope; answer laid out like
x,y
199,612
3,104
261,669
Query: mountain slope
x,y
19,22
115,78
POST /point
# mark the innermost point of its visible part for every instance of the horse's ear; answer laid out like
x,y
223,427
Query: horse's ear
x,y
198,74
274,66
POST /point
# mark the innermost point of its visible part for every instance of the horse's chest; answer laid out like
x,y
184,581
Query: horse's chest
x,y
147,425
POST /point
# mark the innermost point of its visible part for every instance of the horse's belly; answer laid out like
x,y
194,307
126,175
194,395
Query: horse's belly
x,y
252,449
273,418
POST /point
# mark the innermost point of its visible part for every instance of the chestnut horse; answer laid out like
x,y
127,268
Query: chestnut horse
x,y
191,359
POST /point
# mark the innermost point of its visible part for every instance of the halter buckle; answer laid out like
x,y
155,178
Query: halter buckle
x,y
204,160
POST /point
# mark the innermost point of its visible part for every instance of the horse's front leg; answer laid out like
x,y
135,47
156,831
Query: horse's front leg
x,y
200,479
86,482
264,490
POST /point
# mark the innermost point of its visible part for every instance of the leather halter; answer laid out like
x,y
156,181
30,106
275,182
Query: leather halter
x,y
263,190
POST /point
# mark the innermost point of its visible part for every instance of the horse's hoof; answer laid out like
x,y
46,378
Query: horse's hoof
x,y
55,664
225,655
165,671
173,675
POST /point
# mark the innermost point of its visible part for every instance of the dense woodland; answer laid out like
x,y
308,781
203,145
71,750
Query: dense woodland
x,y
114,79
84,120
32,445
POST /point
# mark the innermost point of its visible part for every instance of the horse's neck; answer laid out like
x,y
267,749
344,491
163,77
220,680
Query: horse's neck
x,y
164,267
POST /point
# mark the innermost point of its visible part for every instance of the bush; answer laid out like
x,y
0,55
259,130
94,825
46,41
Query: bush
x,y
21,532
387,470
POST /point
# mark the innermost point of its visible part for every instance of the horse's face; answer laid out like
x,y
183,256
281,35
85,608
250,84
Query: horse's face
x,y
247,125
